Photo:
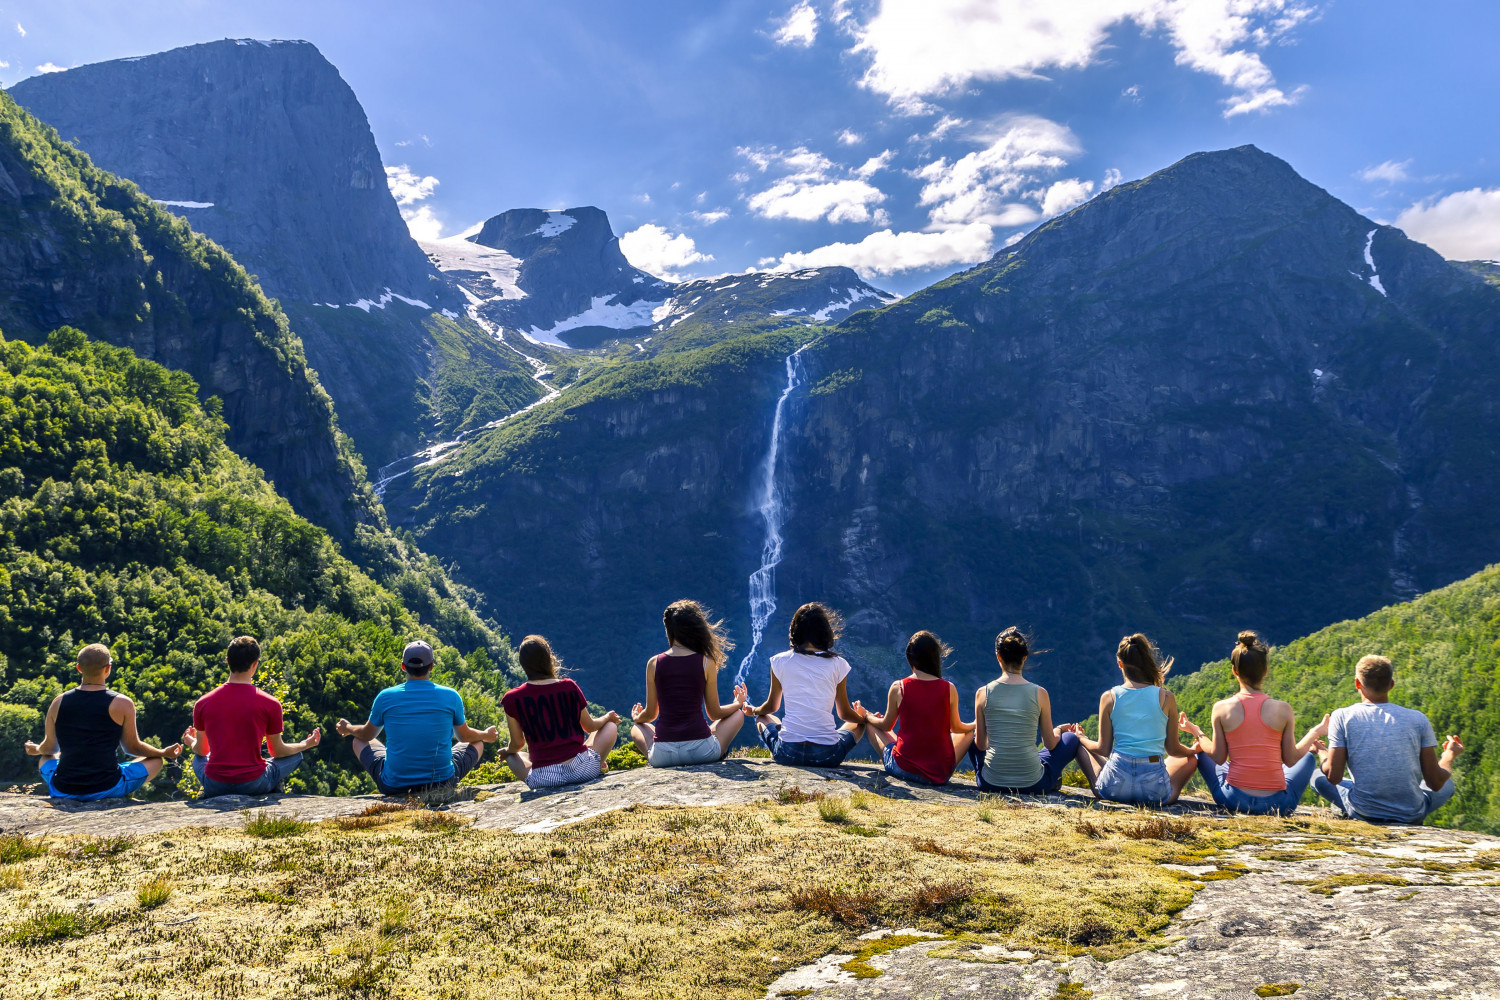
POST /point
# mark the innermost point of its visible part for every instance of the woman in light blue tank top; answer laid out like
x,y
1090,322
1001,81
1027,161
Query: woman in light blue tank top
x,y
1137,733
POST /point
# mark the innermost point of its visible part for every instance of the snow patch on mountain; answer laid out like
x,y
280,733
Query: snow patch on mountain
x,y
559,223
183,204
386,298
1370,261
459,254
602,312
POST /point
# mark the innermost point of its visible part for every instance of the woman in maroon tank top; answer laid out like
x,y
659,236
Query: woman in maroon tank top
x,y
932,737
681,685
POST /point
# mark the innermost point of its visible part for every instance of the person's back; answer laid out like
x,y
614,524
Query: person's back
x,y
236,719
680,683
924,745
1011,716
809,684
88,739
1138,721
1384,743
419,717
1255,757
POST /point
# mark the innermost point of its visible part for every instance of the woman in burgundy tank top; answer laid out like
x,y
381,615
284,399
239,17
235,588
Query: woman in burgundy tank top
x,y
931,737
682,685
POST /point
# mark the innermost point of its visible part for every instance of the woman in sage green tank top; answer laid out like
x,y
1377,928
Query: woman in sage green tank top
x,y
1008,712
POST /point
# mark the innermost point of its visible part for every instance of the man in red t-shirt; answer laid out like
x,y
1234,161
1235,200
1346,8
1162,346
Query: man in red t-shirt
x,y
229,725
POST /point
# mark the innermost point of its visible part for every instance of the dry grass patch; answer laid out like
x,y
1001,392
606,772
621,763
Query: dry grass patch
x,y
665,903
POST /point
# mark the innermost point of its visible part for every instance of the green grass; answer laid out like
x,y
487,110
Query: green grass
x,y
1277,989
268,827
16,847
53,924
154,893
1329,885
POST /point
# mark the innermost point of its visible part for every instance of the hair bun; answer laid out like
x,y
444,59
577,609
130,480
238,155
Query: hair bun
x,y
1248,639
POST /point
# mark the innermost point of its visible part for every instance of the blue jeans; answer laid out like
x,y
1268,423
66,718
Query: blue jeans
x,y
1282,803
1339,796
276,772
133,775
799,754
1054,763
888,755
1138,781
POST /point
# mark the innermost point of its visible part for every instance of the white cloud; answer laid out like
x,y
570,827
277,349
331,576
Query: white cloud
x,y
1390,172
928,48
811,186
4,64
1065,195
51,67
1132,93
983,186
656,251
850,138
20,30
408,188
888,252
710,217
875,164
800,26
1112,177
1464,225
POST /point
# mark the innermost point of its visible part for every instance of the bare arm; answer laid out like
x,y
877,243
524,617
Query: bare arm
x,y
772,702
364,732
593,725
469,734
124,708
716,712
1218,747
1311,741
886,722
1044,704
1174,745
279,748
1438,771
849,713
1338,757
956,723
1106,740
981,735
48,746
649,711
516,739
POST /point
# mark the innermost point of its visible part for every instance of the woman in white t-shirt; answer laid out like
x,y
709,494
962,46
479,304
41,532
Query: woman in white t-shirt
x,y
811,678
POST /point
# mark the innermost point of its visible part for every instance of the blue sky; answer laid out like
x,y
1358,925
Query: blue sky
x,y
906,138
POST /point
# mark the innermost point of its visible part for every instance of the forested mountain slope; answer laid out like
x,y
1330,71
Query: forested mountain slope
x,y
1211,399
126,519
1446,648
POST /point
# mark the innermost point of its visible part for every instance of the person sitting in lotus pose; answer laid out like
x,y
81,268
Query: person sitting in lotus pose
x,y
420,720
1252,765
554,739
681,685
83,731
1398,775
1009,712
1137,731
813,680
930,737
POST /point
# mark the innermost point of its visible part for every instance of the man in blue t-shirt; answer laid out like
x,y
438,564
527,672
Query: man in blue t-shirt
x,y
420,720
1398,776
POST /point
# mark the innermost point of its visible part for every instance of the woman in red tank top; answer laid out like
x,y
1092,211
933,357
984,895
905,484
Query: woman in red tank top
x,y
931,737
1252,765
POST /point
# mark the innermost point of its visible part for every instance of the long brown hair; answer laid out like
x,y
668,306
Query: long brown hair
x,y
1142,661
815,627
1250,658
925,652
688,626
537,659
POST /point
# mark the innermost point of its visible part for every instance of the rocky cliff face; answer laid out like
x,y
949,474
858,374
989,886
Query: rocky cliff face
x,y
82,248
263,147
1212,399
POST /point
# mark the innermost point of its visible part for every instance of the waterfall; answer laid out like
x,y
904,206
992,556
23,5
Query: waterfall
x,y
771,505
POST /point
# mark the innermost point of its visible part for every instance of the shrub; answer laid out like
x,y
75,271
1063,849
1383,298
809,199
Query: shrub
x,y
795,796
930,900
626,758
852,909
263,824
18,723
493,772
834,810
438,822
53,924
154,893
16,847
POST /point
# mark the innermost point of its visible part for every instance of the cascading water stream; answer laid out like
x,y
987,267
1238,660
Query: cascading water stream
x,y
771,506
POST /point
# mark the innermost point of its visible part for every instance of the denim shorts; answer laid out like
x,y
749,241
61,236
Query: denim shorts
x,y
895,770
133,775
799,754
1135,780
685,753
585,767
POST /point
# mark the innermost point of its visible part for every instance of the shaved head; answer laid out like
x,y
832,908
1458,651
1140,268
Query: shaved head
x,y
94,659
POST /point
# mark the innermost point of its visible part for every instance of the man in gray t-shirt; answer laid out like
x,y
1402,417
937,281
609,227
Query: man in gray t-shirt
x,y
1397,776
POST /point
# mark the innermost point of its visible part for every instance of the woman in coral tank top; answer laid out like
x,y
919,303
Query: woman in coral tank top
x,y
1252,764
931,737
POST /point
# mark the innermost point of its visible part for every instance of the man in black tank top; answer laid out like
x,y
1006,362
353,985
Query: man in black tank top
x,y
84,729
